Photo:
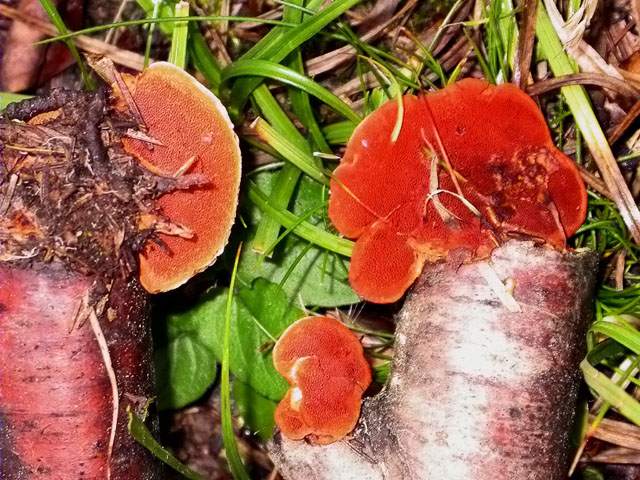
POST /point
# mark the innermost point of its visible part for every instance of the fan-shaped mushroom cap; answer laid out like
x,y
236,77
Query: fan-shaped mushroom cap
x,y
191,124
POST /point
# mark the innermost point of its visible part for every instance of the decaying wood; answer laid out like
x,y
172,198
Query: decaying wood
x,y
477,389
69,240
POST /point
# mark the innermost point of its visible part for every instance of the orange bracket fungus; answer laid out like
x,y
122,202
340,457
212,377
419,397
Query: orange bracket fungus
x,y
474,165
324,363
192,133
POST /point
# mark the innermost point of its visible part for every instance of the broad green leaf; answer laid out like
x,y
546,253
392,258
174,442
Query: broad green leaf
x,y
256,411
186,365
260,313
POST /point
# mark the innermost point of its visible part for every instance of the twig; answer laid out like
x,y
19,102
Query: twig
x,y
106,358
522,68
599,79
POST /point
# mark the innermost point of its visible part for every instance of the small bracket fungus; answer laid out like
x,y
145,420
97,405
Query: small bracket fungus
x,y
324,363
191,132
473,166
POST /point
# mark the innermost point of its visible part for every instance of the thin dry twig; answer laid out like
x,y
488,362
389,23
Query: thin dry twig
x,y
598,79
522,70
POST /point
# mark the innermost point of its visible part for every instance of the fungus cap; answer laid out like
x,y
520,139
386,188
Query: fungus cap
x,y
498,175
191,124
324,363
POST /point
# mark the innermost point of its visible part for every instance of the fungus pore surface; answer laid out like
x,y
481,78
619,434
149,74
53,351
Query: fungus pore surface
x,y
194,135
474,165
324,363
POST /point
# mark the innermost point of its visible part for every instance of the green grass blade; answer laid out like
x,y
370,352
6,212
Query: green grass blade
x,y
204,61
611,393
305,230
283,74
158,10
289,150
287,179
143,436
57,21
178,51
160,20
228,436
280,48
622,333
339,133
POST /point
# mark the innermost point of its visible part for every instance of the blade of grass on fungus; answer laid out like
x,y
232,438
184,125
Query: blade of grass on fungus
x,y
139,431
178,51
306,230
580,105
280,48
283,74
228,435
57,21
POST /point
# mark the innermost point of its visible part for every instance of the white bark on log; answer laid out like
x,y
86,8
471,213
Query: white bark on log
x,y
484,379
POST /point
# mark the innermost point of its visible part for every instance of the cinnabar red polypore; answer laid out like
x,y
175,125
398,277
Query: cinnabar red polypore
x,y
324,363
498,175
195,133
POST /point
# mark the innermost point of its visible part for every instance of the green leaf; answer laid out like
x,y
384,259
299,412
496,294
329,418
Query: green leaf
x,y
142,435
186,365
621,332
288,150
339,133
256,411
178,51
260,312
6,98
316,235
314,276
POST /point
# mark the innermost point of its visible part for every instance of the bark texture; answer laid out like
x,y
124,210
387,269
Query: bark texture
x,y
56,400
482,387
70,204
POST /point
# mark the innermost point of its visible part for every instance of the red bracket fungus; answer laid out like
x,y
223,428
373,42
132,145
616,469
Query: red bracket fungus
x,y
324,363
193,133
474,165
